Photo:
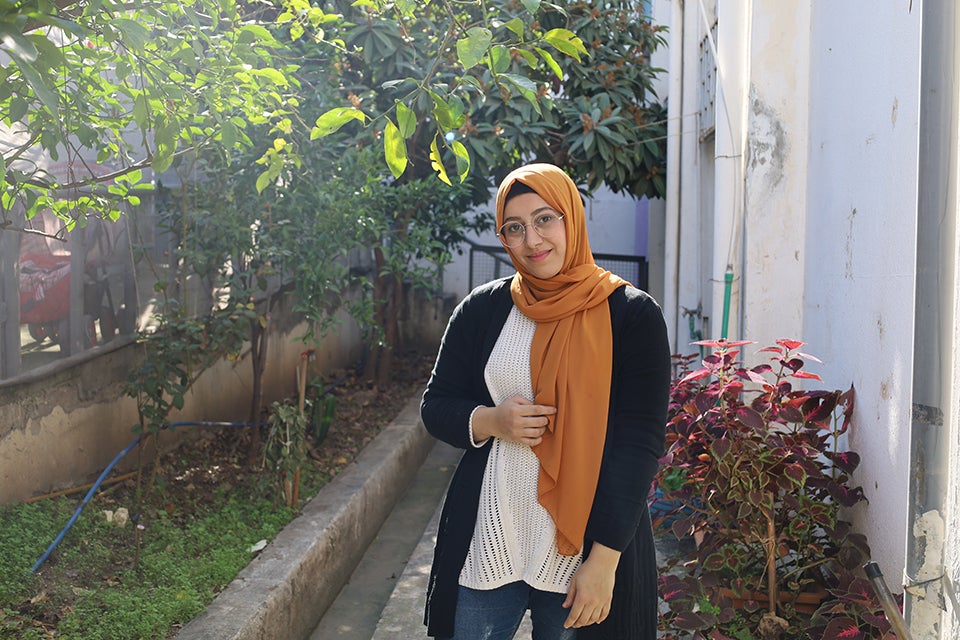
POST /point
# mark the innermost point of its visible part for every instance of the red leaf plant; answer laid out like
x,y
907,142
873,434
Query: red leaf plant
x,y
755,478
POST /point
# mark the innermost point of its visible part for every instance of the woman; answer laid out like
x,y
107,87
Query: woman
x,y
555,383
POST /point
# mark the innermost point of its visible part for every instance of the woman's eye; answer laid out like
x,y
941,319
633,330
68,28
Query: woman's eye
x,y
513,228
546,219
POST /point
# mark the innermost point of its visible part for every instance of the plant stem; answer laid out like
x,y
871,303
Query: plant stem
x,y
771,544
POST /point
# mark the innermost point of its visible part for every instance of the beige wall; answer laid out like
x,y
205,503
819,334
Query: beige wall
x,y
61,425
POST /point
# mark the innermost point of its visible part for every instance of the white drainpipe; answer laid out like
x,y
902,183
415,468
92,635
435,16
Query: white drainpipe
x,y
671,245
733,94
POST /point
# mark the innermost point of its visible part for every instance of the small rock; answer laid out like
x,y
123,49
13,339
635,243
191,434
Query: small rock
x,y
121,516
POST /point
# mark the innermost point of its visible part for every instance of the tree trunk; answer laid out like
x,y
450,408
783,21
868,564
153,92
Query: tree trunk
x,y
372,368
258,360
391,330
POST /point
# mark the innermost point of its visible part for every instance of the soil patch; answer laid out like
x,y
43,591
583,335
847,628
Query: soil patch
x,y
185,482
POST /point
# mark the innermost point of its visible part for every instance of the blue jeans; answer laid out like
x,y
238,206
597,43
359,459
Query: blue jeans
x,y
496,614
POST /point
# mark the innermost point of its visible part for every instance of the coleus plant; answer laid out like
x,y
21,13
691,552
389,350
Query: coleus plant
x,y
755,474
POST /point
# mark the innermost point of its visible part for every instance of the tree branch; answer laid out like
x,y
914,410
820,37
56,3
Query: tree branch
x,y
7,225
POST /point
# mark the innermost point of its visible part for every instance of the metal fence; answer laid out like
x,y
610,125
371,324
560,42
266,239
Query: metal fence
x,y
63,292
491,262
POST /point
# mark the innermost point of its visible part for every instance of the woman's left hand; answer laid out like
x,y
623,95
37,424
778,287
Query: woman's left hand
x,y
591,588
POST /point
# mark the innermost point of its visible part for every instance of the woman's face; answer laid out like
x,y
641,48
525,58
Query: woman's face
x,y
541,256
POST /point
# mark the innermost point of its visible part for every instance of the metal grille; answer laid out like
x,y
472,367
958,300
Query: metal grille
x,y
708,86
490,262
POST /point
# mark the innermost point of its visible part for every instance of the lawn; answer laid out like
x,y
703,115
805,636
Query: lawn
x,y
187,537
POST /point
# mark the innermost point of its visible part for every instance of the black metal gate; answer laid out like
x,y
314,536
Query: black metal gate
x,y
491,262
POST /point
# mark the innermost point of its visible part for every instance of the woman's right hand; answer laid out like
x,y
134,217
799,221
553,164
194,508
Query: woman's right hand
x,y
515,419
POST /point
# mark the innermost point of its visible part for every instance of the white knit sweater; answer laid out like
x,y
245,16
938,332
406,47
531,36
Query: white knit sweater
x,y
514,538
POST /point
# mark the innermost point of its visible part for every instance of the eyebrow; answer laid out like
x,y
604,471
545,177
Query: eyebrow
x,y
532,213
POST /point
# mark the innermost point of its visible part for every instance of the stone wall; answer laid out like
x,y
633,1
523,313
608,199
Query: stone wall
x,y
62,424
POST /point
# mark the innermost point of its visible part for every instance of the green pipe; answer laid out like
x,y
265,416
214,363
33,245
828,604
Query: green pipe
x,y
727,286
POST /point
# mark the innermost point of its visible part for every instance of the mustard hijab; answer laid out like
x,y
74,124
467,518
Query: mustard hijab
x,y
571,358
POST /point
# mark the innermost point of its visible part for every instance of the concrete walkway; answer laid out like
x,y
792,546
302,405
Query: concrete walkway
x,y
285,590
385,594
354,565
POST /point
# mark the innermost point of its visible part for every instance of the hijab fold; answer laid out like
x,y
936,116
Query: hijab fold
x,y
571,358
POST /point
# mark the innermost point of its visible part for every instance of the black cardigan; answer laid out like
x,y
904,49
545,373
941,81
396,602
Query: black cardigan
x,y
634,443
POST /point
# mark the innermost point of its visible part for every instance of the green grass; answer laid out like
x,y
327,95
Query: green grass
x,y
204,511
109,583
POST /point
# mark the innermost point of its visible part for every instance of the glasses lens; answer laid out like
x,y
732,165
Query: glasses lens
x,y
546,224
512,234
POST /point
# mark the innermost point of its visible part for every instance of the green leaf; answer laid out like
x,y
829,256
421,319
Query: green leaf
x,y
18,45
548,58
18,109
67,25
463,159
528,57
526,87
515,25
254,33
272,75
499,58
133,34
407,120
335,118
449,115
228,135
611,135
473,82
3,169
531,5
437,163
588,139
140,112
565,41
394,149
49,99
472,48
263,181
165,138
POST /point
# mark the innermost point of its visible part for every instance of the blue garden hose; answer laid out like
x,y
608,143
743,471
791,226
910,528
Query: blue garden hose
x,y
106,472
113,463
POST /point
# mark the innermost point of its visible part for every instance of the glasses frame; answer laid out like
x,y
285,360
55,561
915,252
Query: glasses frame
x,y
523,237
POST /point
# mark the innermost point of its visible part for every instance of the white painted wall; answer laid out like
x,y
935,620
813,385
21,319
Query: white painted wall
x,y
776,172
830,200
861,240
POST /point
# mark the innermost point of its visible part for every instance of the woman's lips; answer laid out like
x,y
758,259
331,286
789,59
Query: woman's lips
x,y
539,257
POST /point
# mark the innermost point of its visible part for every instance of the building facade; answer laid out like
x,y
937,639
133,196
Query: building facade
x,y
812,179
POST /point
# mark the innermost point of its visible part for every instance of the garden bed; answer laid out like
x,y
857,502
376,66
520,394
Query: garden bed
x,y
190,536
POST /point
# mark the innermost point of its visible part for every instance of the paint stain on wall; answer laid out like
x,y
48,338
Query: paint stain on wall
x,y
767,146
893,112
848,247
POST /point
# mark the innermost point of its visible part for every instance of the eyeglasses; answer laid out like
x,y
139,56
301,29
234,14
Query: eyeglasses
x,y
545,224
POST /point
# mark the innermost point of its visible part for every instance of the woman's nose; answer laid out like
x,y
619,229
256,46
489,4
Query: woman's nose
x,y
531,237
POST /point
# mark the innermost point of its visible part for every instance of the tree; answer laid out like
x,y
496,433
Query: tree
x,y
464,91
458,90
480,86
131,87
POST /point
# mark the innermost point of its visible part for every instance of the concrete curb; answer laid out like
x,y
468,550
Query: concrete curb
x,y
284,592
